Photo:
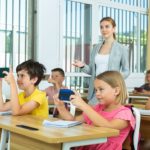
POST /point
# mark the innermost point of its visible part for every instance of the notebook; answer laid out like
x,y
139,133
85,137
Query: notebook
x,y
5,113
60,123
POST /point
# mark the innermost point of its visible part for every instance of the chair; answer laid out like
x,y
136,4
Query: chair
x,y
137,115
131,142
5,136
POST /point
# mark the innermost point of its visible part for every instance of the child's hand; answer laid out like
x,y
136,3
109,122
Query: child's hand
x,y
78,63
50,80
9,78
77,101
59,104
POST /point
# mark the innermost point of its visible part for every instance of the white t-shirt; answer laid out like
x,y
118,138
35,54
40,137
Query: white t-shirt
x,y
101,62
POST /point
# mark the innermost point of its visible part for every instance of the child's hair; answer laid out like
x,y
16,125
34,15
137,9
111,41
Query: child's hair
x,y
112,21
61,71
34,69
115,79
147,72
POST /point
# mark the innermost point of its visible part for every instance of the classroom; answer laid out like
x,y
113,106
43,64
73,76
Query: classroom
x,y
83,63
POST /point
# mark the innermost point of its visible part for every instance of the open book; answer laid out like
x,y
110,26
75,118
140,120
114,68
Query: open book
x,y
60,123
5,112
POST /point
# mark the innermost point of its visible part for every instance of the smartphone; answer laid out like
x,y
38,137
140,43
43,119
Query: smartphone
x,y
2,75
27,127
64,94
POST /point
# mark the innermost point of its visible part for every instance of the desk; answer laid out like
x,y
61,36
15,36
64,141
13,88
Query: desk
x,y
51,138
144,129
140,96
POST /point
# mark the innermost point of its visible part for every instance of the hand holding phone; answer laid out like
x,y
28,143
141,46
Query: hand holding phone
x,y
2,75
64,94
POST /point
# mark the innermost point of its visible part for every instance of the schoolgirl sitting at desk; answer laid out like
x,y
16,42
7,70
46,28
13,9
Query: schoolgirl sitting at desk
x,y
110,89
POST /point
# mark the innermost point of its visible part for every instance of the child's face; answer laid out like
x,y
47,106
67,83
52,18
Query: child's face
x,y
148,78
23,80
55,75
104,92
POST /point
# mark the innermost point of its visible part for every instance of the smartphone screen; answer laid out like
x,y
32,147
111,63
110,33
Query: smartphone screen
x,y
27,127
2,75
64,94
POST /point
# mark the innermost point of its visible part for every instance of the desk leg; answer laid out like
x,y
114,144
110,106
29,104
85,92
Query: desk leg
x,y
8,146
4,135
67,146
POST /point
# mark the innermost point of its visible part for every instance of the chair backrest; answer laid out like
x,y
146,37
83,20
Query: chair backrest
x,y
137,115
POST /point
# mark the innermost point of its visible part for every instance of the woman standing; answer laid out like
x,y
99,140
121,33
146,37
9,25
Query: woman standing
x,y
107,55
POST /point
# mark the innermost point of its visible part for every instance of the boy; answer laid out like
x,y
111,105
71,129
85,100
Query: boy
x,y
57,77
31,100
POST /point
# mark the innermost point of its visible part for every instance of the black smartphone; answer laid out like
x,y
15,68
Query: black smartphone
x,y
2,75
64,94
27,127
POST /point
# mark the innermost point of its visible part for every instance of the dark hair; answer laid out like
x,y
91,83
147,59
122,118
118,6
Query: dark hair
x,y
34,69
61,71
112,21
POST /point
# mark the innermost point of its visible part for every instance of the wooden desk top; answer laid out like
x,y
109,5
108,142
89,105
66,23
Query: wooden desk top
x,y
53,134
145,118
138,94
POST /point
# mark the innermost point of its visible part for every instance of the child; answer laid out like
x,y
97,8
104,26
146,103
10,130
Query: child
x,y
31,100
145,88
111,91
56,78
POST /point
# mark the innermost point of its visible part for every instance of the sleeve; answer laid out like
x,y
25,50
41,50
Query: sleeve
x,y
127,115
46,91
88,68
125,62
142,86
39,98
97,108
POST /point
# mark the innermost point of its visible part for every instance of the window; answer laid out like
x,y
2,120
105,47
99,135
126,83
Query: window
x,y
132,28
131,17
15,31
76,37
81,30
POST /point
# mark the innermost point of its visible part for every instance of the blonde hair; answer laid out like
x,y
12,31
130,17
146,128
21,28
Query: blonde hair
x,y
147,72
115,79
109,19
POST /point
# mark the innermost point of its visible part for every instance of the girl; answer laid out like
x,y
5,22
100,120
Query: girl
x,y
106,55
111,91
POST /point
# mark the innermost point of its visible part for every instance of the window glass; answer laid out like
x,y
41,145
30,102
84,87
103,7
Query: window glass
x,y
14,31
76,37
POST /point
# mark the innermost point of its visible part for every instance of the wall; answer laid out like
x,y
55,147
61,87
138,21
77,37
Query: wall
x,y
48,33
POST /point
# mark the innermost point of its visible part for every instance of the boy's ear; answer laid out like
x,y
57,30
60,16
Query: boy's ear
x,y
34,80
